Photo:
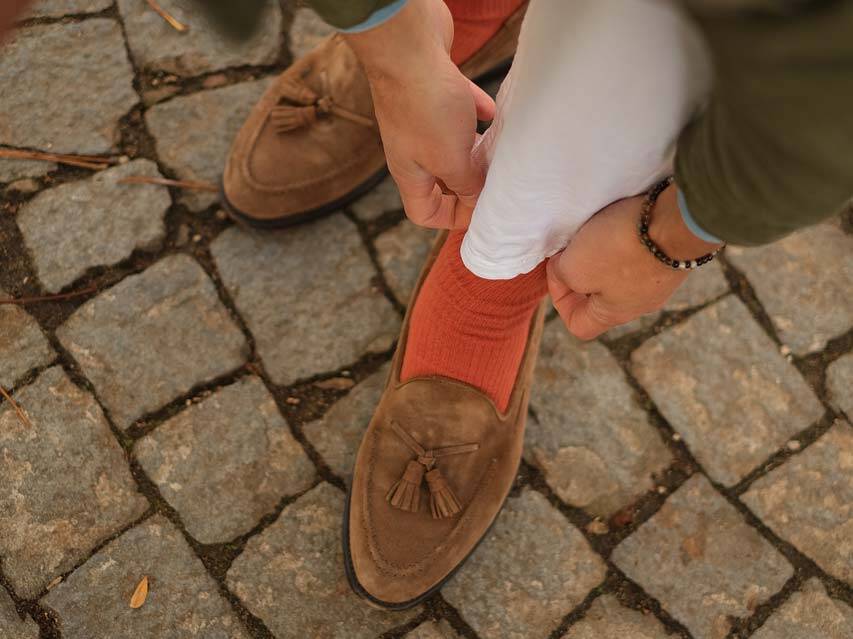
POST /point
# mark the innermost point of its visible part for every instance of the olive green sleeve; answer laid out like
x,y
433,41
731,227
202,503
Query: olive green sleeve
x,y
773,150
344,14
239,19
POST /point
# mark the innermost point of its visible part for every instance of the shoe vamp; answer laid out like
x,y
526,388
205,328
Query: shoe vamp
x,y
329,147
413,541
309,156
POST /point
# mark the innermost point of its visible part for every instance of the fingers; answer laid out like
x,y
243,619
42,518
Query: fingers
x,y
580,312
483,103
465,176
427,205
580,316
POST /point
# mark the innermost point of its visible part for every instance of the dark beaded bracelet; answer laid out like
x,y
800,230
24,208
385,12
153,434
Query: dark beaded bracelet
x,y
654,249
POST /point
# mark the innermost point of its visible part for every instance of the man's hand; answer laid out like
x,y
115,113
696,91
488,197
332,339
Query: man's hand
x,y
427,113
606,277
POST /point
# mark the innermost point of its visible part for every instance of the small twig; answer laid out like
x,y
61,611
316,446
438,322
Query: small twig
x,y
173,22
47,298
84,161
21,414
191,185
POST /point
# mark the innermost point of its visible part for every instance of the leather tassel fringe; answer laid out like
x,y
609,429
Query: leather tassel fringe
x,y
290,118
442,501
405,494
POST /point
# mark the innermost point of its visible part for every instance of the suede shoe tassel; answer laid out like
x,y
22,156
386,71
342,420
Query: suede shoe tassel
x,y
442,501
299,107
405,493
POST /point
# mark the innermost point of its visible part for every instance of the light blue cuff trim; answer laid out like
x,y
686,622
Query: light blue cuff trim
x,y
377,17
691,224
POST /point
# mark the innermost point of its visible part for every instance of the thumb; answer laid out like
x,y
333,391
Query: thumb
x,y
483,103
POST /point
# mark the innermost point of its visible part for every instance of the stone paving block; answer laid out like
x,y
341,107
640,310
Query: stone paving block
x,y
530,571
182,130
307,296
11,170
57,8
808,501
383,198
402,252
337,434
22,344
154,44
13,627
590,438
65,65
292,576
703,285
433,630
804,283
231,454
722,384
152,337
700,559
306,32
183,600
809,614
111,220
66,484
608,619
839,382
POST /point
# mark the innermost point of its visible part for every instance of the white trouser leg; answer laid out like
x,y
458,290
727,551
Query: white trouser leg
x,y
589,114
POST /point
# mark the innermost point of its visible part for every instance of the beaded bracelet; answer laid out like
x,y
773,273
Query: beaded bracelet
x,y
654,249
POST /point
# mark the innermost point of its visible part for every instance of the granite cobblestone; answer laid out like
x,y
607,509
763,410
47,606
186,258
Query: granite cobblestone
x,y
247,480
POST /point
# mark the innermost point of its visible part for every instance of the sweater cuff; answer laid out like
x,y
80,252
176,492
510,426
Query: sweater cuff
x,y
691,224
377,17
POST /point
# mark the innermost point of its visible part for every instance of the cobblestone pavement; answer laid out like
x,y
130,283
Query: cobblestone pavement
x,y
195,405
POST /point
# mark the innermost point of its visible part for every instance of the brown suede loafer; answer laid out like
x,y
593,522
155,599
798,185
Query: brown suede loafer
x,y
311,144
433,470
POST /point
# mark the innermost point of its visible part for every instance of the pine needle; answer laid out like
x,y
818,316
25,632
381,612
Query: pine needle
x,y
20,411
191,185
173,22
46,298
85,161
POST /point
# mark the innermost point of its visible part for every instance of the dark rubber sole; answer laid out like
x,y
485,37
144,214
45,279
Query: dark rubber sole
x,y
358,589
286,221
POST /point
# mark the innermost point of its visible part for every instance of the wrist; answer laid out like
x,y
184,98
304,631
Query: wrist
x,y
669,231
399,46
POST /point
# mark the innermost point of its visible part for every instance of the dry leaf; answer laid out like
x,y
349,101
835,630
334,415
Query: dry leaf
x,y
597,527
140,594
53,584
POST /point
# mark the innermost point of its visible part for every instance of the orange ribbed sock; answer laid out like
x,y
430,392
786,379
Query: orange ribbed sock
x,y
475,22
470,329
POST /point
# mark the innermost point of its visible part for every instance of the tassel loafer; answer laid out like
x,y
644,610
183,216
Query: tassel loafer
x,y
432,473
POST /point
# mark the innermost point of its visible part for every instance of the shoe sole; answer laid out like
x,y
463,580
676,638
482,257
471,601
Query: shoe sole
x,y
286,221
374,602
